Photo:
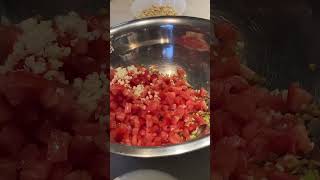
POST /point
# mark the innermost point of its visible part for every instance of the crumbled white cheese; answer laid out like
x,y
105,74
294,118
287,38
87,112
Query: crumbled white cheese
x,y
36,66
55,64
137,90
73,24
121,73
35,37
91,90
60,91
133,69
28,24
56,75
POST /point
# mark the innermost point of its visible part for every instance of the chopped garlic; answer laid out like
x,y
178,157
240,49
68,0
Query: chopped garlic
x,y
37,66
137,90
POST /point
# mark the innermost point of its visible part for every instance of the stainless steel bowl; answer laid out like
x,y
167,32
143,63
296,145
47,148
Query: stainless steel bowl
x,y
152,42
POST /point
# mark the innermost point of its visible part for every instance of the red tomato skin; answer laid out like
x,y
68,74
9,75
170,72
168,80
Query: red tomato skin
x,y
58,146
9,35
11,140
8,169
282,176
37,170
78,175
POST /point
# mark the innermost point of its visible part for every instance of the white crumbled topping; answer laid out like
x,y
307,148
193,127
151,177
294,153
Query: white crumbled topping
x,y
60,91
133,69
55,64
56,75
36,66
77,83
54,51
72,23
35,38
91,90
137,90
275,92
121,73
28,24
94,35
279,167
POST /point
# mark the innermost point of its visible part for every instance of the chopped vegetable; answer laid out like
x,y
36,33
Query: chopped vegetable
x,y
149,108
156,10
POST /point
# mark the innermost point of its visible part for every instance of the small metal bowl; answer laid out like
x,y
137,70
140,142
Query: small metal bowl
x,y
152,41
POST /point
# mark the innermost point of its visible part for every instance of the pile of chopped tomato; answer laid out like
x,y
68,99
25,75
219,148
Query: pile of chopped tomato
x,y
251,125
45,135
165,111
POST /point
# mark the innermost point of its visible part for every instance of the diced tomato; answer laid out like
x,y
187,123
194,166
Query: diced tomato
x,y
28,155
80,66
8,37
282,176
78,175
99,166
274,102
8,169
60,170
193,42
235,84
37,170
6,111
297,97
224,158
226,67
43,133
21,87
87,129
304,143
282,144
175,138
240,106
80,47
101,142
250,130
58,146
11,140
97,22
226,33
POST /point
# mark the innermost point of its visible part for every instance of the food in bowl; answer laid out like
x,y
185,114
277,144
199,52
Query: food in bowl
x,y
156,10
257,133
53,92
148,108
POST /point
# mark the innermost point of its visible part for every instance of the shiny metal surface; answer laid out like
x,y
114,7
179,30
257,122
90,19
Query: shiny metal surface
x,y
152,42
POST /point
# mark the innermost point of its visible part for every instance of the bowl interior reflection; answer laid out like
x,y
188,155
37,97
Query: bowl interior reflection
x,y
153,42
